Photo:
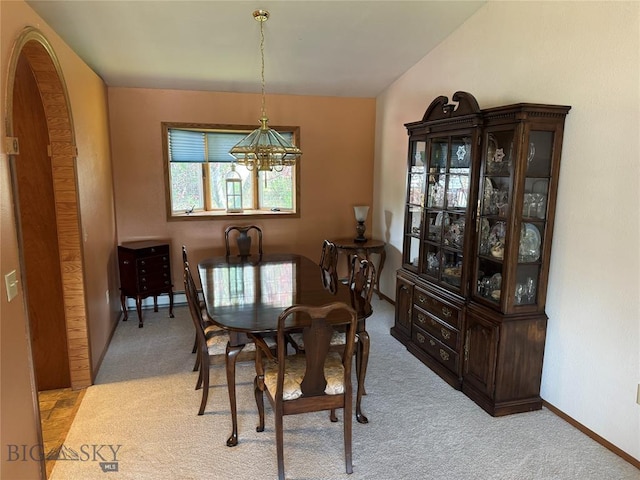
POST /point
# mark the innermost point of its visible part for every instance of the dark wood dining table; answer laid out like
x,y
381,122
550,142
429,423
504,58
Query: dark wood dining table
x,y
245,295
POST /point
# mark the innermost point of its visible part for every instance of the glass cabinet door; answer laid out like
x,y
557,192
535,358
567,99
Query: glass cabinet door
x,y
494,194
534,201
448,180
414,209
514,190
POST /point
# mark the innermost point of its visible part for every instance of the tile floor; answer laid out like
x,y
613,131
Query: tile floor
x,y
57,411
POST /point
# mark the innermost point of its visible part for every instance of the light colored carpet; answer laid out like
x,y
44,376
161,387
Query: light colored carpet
x,y
420,428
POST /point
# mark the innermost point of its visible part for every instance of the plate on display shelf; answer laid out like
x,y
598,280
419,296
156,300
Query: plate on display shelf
x,y
442,219
496,239
530,240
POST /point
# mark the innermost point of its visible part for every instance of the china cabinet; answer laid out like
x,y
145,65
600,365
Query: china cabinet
x,y
479,213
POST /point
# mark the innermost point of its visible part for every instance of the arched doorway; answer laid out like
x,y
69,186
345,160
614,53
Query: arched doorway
x,y
42,154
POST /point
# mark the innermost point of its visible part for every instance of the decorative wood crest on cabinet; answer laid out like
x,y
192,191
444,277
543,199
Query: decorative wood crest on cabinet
x,y
440,108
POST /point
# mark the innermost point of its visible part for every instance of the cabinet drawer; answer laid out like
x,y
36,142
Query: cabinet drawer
x,y
153,282
441,331
444,311
153,266
152,251
150,262
436,349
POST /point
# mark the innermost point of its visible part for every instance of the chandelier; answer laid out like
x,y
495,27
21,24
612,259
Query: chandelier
x,y
264,149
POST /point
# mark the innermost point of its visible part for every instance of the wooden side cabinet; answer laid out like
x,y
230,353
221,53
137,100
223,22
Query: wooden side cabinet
x,y
145,271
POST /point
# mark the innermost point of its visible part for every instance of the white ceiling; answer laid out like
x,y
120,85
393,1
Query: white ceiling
x,y
328,48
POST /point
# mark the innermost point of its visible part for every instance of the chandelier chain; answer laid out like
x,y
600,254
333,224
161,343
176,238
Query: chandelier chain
x,y
264,114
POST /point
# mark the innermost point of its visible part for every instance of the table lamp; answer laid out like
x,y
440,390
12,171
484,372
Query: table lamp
x,y
361,212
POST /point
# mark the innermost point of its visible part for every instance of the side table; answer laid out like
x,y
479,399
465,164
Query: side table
x,y
145,271
349,246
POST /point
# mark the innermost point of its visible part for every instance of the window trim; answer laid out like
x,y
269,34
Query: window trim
x,y
208,214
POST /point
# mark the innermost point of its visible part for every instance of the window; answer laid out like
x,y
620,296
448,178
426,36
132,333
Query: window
x,y
197,163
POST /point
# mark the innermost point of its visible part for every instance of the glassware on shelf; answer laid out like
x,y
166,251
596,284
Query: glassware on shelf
x,y
490,287
530,240
525,292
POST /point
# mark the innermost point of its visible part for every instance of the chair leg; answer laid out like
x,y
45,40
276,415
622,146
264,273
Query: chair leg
x,y
279,442
363,348
348,427
257,391
204,373
199,382
332,415
197,362
195,345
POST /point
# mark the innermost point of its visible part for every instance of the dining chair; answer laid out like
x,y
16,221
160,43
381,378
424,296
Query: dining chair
x,y
212,339
244,236
316,379
329,266
213,343
361,283
210,328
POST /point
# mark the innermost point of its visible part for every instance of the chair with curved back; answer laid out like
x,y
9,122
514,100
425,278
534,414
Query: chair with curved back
x,y
209,344
315,380
329,266
244,237
212,340
361,282
209,327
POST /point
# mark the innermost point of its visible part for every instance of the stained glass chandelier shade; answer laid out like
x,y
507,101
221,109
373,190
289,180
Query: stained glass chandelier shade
x,y
264,149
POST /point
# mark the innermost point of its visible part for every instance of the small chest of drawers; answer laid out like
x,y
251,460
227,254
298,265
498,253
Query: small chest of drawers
x,y
145,271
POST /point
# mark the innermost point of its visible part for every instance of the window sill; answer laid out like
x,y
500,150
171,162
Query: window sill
x,y
224,215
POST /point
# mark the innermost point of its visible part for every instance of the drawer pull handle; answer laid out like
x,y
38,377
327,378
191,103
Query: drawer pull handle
x,y
444,355
420,337
432,343
422,299
421,318
445,333
446,312
126,262
142,262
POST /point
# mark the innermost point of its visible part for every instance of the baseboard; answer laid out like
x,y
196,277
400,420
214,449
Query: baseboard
x,y
179,298
594,436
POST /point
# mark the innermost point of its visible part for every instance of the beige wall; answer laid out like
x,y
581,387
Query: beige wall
x,y
87,96
336,137
583,54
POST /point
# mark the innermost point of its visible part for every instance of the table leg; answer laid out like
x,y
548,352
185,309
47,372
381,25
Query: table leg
x,y
123,302
230,362
139,309
383,257
361,367
171,304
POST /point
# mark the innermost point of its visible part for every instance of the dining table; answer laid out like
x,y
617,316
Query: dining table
x,y
246,294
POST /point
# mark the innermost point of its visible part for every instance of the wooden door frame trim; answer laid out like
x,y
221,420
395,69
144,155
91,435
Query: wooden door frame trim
x,y
36,49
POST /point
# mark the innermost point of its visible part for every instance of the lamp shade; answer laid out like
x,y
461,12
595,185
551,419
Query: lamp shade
x,y
361,212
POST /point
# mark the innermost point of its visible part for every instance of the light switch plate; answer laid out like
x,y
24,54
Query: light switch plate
x,y
11,281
